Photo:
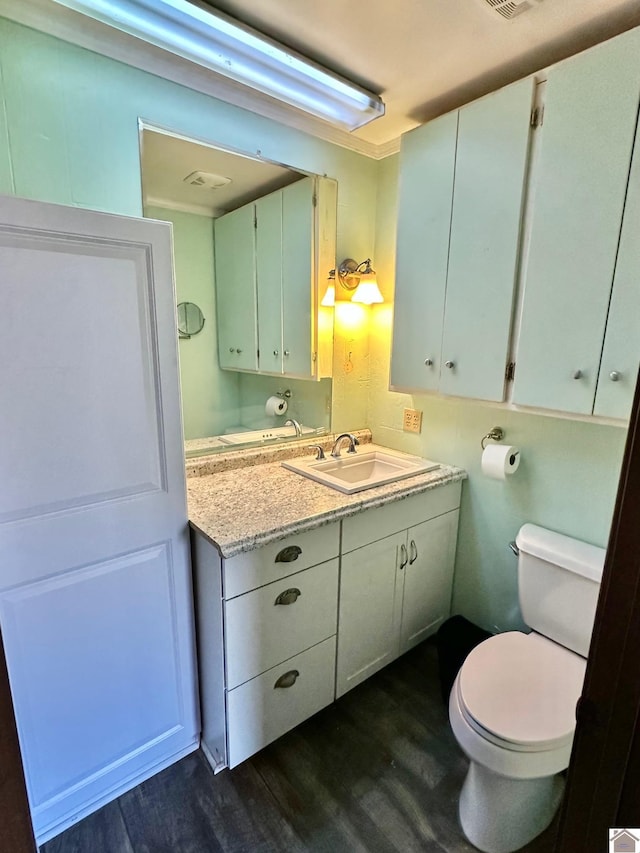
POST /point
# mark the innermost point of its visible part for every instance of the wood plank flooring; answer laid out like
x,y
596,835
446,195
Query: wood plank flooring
x,y
377,772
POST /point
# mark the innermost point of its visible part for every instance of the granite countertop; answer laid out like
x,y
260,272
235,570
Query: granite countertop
x,y
240,509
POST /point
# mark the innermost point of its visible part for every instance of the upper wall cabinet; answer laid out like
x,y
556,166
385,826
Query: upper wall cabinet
x,y
287,240
461,191
581,181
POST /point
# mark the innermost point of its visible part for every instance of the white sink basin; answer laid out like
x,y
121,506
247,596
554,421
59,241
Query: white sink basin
x,y
353,472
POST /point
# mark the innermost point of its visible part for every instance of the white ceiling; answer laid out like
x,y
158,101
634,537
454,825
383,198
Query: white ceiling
x,y
426,57
167,159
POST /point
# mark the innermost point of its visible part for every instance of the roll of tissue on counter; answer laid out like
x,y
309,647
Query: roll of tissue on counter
x,y
500,460
275,406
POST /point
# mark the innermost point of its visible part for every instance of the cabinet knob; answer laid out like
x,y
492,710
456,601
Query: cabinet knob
x,y
288,554
288,679
450,364
428,362
231,349
238,351
577,374
286,352
289,596
614,376
275,352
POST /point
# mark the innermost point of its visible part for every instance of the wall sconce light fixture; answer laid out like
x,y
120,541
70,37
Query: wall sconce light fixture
x,y
361,279
329,298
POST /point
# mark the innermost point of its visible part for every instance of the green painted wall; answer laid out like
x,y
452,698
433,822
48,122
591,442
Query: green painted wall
x,y
567,480
69,134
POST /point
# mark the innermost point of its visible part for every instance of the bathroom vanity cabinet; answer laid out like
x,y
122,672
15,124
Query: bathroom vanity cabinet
x,y
268,322
285,628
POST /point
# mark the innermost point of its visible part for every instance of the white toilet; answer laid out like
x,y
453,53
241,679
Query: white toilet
x,y
512,706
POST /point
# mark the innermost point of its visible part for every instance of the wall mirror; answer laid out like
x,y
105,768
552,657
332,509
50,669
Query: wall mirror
x,y
191,185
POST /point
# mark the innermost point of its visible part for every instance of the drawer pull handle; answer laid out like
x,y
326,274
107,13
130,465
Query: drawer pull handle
x,y
289,596
288,554
288,679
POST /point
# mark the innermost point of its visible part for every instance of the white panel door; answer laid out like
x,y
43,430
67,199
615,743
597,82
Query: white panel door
x,y
269,281
427,164
591,106
95,592
491,161
621,351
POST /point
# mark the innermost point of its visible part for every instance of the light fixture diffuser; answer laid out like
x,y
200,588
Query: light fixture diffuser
x,y
230,48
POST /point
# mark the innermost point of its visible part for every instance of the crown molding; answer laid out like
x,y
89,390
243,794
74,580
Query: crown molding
x,y
180,206
65,24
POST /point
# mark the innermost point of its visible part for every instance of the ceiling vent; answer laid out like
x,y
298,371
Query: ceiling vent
x,y
206,180
511,8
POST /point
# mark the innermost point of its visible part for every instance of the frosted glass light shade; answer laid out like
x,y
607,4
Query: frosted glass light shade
x,y
329,299
367,290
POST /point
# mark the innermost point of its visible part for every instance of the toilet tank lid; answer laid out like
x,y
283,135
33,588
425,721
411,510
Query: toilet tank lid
x,y
560,550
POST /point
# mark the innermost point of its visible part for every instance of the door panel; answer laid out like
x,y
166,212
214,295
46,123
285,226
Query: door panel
x,y
621,352
298,255
269,281
424,218
368,623
428,578
95,590
236,289
587,138
491,162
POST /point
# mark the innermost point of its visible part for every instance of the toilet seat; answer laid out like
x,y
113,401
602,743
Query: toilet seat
x,y
519,691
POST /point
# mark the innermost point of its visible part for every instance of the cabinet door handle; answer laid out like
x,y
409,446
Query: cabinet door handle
x,y
404,559
238,351
231,349
577,374
288,554
288,679
428,362
287,353
413,549
614,376
275,352
450,364
289,596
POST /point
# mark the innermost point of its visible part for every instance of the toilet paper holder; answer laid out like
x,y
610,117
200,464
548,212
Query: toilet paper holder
x,y
496,434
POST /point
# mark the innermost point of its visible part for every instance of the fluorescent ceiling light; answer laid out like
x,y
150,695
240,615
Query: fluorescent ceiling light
x,y
213,40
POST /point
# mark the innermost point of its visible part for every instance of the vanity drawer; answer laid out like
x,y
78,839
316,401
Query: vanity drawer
x,y
252,569
258,712
375,524
260,633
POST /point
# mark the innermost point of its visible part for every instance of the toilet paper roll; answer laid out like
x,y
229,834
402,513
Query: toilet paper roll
x,y
275,406
500,460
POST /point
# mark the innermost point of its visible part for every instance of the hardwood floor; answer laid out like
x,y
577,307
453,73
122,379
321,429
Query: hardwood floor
x,y
377,772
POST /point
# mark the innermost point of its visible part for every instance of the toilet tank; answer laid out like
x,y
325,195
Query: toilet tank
x,y
558,585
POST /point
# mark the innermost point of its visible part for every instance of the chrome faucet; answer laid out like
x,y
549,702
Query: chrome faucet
x,y
294,423
352,444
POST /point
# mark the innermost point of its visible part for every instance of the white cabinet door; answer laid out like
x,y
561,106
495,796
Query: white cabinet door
x,y
298,275
268,211
369,610
621,352
591,106
95,585
491,163
427,163
236,289
428,578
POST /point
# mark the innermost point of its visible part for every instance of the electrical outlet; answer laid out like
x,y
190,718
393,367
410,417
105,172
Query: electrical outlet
x,y
412,420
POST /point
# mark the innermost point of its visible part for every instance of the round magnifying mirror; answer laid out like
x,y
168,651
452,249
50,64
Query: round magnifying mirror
x,y
190,319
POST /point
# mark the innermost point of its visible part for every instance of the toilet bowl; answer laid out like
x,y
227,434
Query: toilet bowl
x,y
512,705
512,710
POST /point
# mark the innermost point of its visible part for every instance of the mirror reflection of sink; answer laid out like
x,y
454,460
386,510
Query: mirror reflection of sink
x,y
353,472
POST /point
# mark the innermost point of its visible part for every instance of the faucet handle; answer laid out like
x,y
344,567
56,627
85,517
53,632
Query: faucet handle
x,y
319,451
